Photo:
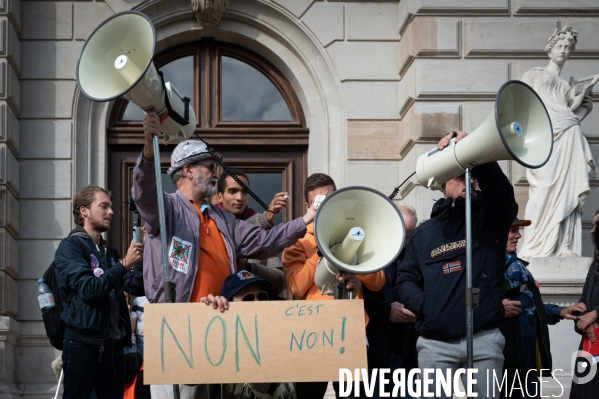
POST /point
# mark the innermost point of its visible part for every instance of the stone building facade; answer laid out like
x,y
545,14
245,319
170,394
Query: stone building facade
x,y
371,85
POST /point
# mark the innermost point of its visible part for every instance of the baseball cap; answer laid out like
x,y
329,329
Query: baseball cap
x,y
521,223
235,282
188,151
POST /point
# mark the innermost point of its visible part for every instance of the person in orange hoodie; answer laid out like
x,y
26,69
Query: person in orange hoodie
x,y
299,265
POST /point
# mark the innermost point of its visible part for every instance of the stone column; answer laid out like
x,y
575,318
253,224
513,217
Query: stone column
x,y
10,60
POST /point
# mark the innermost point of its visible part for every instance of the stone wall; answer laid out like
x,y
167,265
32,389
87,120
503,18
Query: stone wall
x,y
379,82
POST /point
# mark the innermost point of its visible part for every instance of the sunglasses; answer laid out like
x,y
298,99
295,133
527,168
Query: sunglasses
x,y
210,165
261,296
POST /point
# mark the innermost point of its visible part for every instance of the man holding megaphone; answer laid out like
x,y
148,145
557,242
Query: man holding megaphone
x,y
300,262
432,276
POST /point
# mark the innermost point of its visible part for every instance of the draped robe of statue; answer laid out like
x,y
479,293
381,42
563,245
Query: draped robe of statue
x,y
559,188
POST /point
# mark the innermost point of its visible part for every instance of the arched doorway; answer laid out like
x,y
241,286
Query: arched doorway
x,y
246,109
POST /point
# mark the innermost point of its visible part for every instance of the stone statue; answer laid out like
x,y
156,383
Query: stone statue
x,y
209,12
558,189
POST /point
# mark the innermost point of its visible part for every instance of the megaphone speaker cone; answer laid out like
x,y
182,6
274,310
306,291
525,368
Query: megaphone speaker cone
x,y
360,221
129,35
518,129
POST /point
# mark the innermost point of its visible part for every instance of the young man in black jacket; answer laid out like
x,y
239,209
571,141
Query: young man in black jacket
x,y
431,279
95,313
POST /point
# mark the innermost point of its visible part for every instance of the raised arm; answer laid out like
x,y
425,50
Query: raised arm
x,y
498,195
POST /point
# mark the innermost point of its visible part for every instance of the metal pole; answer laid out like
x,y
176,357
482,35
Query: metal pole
x,y
169,288
469,315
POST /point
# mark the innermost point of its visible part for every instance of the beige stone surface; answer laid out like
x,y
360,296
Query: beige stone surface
x,y
124,5
447,80
60,59
28,302
380,175
10,130
559,7
87,16
10,46
429,37
34,254
501,37
9,211
325,20
371,100
372,140
10,88
46,179
12,9
426,122
47,20
44,99
9,294
371,21
9,169
296,7
349,60
9,253
46,138
45,219
462,6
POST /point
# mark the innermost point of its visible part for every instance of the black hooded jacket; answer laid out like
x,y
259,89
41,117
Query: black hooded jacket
x,y
432,277
87,316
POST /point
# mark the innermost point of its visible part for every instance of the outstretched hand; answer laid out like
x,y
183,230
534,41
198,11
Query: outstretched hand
x,y
567,313
279,202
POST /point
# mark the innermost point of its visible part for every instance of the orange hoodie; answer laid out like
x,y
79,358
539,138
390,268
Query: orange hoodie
x,y
299,264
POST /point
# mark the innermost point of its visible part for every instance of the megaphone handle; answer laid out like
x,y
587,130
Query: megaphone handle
x,y
340,290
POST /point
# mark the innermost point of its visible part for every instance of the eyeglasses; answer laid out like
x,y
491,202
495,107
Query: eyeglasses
x,y
210,165
261,296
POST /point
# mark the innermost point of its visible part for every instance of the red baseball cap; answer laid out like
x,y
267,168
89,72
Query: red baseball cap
x,y
521,223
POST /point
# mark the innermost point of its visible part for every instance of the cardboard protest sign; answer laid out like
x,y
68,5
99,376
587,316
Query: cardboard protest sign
x,y
274,341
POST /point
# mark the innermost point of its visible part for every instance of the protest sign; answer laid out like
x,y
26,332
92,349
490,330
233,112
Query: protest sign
x,y
274,341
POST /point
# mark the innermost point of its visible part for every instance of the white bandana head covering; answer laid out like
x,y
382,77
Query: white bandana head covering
x,y
186,152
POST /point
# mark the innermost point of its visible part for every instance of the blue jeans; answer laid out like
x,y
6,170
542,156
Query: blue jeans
x,y
140,345
86,369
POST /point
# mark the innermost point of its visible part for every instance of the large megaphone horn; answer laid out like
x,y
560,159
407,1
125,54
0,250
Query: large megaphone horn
x,y
357,230
518,129
116,61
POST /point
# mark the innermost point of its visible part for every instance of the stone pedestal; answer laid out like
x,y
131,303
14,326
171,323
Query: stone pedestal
x,y
561,281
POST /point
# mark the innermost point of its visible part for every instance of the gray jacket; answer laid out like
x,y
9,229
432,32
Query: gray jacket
x,y
182,223
270,269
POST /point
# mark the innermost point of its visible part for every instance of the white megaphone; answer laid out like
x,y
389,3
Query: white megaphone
x,y
519,129
357,230
116,61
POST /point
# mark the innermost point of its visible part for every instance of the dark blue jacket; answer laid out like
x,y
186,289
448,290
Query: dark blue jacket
x,y
383,335
437,298
87,315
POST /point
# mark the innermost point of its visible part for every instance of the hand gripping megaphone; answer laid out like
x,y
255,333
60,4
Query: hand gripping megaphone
x,y
116,61
518,129
357,230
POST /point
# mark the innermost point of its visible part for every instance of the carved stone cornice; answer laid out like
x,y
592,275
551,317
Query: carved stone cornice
x,y
209,12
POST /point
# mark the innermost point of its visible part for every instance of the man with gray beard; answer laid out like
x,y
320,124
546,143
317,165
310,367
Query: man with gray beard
x,y
203,241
